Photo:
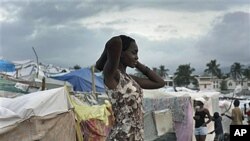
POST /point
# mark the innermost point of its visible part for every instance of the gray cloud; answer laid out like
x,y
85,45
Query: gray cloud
x,y
53,28
228,41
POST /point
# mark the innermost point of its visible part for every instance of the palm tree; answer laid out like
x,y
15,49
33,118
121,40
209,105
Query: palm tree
x,y
155,70
162,71
246,73
237,71
183,75
77,67
139,73
213,69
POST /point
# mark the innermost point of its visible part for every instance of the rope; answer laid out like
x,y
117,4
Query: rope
x,y
230,103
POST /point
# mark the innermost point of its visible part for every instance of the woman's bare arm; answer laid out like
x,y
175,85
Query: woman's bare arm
x,y
209,116
153,81
111,75
102,60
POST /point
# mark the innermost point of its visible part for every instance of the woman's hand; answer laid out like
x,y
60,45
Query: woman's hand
x,y
204,124
196,117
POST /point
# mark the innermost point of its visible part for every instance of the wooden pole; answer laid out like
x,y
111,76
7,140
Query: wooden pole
x,y
36,62
43,84
93,82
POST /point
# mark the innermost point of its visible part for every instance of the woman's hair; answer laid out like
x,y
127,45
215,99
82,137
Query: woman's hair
x,y
200,103
236,102
216,115
126,40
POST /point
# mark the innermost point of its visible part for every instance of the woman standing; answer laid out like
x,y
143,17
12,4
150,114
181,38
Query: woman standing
x,y
200,124
124,90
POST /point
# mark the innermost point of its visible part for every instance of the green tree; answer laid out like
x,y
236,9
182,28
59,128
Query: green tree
x,y
223,85
183,75
155,70
195,82
237,71
213,69
162,71
77,67
246,73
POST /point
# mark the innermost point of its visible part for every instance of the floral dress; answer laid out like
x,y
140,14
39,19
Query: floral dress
x,y
126,102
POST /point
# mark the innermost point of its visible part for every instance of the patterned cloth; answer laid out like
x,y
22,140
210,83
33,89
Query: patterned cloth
x,y
177,105
126,100
94,130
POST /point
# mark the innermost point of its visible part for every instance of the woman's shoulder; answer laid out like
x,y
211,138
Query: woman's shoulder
x,y
206,110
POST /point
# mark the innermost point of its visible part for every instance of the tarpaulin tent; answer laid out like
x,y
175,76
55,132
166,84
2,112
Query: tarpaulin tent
x,y
81,80
43,116
48,116
6,66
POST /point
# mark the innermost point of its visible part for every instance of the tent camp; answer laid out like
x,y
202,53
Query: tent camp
x,y
43,115
172,112
6,66
52,115
81,80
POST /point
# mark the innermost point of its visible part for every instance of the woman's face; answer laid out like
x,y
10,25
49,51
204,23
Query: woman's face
x,y
198,103
129,57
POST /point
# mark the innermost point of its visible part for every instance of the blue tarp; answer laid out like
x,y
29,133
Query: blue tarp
x,y
6,66
81,80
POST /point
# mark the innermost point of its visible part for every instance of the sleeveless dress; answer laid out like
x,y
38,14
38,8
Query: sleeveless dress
x,y
126,100
201,120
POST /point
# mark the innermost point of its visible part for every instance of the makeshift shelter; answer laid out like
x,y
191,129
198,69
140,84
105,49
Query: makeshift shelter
x,y
175,110
43,115
6,66
52,115
11,89
81,80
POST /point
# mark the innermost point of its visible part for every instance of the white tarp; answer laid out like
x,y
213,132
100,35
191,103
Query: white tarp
x,y
42,103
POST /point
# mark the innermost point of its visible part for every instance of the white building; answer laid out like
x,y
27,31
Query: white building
x,y
231,83
209,83
169,80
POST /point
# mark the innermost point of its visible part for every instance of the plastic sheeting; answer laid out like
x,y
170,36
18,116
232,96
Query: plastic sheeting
x,y
81,80
9,86
58,128
42,103
6,66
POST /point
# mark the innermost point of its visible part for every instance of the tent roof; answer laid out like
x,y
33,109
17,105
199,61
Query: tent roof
x,y
6,66
41,103
81,80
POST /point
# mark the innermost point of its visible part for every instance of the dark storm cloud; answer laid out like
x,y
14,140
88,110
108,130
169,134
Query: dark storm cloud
x,y
63,46
50,28
53,12
54,29
229,40
189,5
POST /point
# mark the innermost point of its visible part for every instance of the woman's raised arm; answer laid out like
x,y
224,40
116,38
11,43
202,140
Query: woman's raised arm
x,y
113,51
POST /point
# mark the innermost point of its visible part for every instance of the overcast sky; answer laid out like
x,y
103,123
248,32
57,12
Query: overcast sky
x,y
168,32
